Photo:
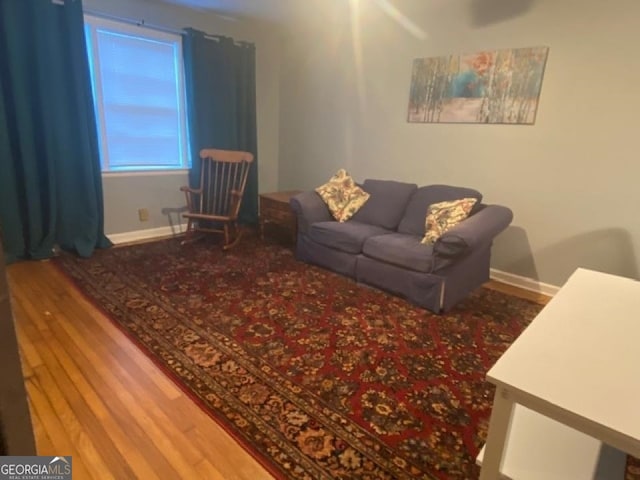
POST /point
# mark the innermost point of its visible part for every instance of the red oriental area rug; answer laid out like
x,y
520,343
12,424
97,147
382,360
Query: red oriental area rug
x,y
315,375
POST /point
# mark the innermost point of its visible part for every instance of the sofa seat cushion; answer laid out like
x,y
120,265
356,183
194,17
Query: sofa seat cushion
x,y
386,203
401,250
346,237
414,216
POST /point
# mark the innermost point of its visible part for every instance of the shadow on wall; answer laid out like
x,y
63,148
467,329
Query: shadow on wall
x,y
487,12
175,218
514,253
608,250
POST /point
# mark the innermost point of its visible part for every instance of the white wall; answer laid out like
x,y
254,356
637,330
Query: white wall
x,y
124,194
571,179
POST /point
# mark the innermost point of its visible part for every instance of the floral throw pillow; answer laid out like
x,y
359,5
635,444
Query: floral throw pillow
x,y
443,216
342,196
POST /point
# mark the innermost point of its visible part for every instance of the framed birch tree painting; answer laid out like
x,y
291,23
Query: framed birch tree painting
x,y
499,86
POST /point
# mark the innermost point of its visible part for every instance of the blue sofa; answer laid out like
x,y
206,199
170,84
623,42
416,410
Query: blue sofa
x,y
381,244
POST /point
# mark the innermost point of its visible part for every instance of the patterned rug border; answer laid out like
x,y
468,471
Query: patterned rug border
x,y
200,403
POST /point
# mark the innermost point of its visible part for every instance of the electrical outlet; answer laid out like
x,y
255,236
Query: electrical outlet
x,y
143,214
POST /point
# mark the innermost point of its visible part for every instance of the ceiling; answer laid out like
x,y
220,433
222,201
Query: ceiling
x,y
269,10
290,12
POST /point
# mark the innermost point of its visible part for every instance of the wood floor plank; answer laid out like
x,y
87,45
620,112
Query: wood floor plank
x,y
236,468
128,363
164,466
56,431
151,410
92,411
91,343
70,405
536,297
118,416
72,296
94,394
144,408
44,445
90,443
28,353
208,471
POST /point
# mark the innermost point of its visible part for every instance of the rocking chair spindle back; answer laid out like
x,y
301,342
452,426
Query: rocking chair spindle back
x,y
214,207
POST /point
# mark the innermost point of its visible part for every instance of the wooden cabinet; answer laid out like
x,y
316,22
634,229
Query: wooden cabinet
x,y
275,209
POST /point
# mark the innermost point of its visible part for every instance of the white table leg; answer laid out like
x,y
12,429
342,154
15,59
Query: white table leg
x,y
498,435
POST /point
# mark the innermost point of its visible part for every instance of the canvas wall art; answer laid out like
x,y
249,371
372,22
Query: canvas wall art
x,y
499,86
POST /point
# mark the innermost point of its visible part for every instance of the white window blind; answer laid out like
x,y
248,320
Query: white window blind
x,y
138,86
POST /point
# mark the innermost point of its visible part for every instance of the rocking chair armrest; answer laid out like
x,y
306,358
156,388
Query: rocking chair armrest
x,y
206,216
187,189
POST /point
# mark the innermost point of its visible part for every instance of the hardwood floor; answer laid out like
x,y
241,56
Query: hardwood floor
x,y
518,292
95,396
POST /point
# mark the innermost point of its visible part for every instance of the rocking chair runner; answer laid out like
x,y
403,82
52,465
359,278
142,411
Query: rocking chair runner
x,y
215,205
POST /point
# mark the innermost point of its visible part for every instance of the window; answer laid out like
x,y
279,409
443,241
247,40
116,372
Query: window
x,y
138,87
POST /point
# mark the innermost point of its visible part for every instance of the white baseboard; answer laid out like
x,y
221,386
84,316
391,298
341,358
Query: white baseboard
x,y
147,234
524,282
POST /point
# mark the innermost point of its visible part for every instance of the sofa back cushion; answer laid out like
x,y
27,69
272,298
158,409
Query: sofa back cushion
x,y
415,214
387,202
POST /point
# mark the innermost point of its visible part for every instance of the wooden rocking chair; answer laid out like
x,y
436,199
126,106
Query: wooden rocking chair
x,y
215,205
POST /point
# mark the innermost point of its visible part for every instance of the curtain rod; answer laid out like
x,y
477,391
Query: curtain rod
x,y
132,21
141,23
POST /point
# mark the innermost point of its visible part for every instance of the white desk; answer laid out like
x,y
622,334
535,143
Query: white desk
x,y
576,365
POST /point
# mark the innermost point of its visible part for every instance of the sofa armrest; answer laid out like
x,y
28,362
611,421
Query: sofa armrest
x,y
479,229
309,208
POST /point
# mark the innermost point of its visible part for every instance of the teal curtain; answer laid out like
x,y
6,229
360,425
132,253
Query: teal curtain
x,y
50,183
221,102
